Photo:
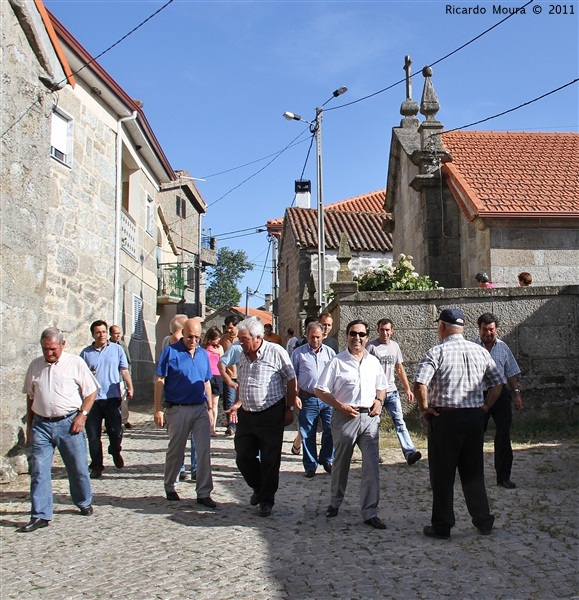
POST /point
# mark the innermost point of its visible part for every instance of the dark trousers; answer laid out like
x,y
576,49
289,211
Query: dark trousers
x,y
110,411
502,414
455,441
258,442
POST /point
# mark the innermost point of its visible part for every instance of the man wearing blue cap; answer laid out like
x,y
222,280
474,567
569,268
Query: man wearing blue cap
x,y
449,385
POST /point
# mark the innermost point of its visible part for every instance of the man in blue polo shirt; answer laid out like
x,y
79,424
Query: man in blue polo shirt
x,y
108,363
183,375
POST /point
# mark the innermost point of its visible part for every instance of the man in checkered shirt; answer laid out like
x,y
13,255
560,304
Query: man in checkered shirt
x,y
267,384
449,385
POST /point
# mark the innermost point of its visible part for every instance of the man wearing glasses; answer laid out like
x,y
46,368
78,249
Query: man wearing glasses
x,y
354,385
183,376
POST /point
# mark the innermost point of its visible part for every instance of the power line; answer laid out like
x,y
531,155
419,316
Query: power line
x,y
513,109
474,39
264,266
57,85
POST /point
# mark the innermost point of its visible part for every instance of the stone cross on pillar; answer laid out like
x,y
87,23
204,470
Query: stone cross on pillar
x,y
409,108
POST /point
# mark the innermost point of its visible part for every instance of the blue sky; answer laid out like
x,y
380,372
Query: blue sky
x,y
215,78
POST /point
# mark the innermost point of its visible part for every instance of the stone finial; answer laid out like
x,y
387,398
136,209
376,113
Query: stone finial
x,y
429,104
344,257
309,298
409,108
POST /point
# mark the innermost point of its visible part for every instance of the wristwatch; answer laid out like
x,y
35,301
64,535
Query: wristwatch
x,y
517,391
84,412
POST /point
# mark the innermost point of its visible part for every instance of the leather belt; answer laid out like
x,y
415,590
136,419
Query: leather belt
x,y
443,408
363,409
306,395
56,419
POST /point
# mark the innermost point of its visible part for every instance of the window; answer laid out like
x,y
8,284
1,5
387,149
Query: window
x,y
137,317
181,207
150,217
61,137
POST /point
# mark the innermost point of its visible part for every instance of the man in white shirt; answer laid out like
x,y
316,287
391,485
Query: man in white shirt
x,y
354,385
60,391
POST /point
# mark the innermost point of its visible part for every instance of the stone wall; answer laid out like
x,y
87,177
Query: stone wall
x,y
540,325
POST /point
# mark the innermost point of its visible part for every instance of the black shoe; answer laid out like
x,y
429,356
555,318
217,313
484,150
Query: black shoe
x,y
331,511
507,484
182,476
229,431
128,425
173,496
254,500
429,531
86,511
33,525
265,509
95,473
207,502
375,522
310,474
327,467
413,457
485,531
118,460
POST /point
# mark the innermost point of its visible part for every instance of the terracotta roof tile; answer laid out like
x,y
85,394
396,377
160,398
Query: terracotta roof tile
x,y
514,173
364,229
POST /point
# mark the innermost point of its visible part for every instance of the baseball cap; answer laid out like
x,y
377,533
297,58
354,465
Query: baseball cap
x,y
453,316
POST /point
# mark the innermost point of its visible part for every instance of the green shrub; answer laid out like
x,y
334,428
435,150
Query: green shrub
x,y
395,277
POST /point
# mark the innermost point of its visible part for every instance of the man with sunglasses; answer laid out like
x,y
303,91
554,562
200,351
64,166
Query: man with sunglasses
x,y
354,385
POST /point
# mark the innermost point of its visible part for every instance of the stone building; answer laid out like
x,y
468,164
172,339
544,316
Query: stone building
x,y
84,228
361,218
467,201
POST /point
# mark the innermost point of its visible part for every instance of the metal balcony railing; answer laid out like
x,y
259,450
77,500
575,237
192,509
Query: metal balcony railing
x,y
171,280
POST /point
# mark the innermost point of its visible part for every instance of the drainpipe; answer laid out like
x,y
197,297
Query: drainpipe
x,y
118,206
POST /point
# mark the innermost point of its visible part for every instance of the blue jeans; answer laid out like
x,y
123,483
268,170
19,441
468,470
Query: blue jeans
x,y
110,411
393,406
47,436
312,409
229,396
193,459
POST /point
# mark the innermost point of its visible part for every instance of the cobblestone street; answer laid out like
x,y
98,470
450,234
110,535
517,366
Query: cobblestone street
x,y
139,545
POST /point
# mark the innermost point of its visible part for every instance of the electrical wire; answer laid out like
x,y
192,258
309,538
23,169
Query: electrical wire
x,y
59,83
434,63
264,266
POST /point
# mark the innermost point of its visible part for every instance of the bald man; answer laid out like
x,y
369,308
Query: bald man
x,y
183,375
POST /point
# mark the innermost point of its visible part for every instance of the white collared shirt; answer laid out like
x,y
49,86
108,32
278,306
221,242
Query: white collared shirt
x,y
351,381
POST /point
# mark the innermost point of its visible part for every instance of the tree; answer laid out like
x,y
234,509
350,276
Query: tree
x,y
224,277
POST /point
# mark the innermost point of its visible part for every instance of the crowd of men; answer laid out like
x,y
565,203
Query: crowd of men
x,y
458,386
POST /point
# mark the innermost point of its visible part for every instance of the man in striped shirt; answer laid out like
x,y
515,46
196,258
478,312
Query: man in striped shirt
x,y
267,384
449,385
501,411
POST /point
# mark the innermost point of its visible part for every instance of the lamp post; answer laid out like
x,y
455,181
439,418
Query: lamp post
x,y
316,129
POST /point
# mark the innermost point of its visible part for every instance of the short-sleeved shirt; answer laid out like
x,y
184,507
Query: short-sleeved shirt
x,y
232,355
389,356
291,344
263,381
106,365
503,357
185,375
309,365
58,388
351,381
457,373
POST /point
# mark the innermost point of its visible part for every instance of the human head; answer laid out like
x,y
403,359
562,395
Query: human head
x,y
191,333
357,333
482,279
250,332
488,325
177,323
52,343
230,326
327,322
450,321
385,329
525,279
315,335
268,329
99,330
212,334
115,333
290,331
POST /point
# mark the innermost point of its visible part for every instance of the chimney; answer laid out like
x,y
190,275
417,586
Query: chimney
x,y
303,188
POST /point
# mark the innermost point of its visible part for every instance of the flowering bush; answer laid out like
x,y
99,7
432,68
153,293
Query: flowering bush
x,y
401,276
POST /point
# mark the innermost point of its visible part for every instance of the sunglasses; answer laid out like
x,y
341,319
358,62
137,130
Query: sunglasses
x,y
361,334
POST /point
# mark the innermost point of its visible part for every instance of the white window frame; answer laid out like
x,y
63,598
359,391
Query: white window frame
x,y
61,136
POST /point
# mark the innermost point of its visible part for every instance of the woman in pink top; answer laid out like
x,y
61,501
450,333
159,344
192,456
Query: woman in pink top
x,y
212,344
484,281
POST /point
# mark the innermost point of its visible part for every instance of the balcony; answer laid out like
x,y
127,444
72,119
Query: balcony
x,y
171,283
128,234
208,250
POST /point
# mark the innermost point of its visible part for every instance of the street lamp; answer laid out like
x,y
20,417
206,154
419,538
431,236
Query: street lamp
x,y
316,129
